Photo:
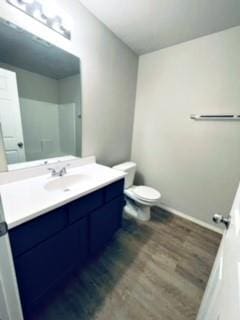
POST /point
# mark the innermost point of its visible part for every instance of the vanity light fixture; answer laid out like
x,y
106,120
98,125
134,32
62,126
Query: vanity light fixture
x,y
44,13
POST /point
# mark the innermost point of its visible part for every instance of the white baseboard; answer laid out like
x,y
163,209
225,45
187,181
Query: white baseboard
x,y
192,219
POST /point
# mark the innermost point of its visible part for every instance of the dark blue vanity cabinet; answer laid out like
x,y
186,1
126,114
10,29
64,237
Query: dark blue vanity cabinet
x,y
48,248
103,223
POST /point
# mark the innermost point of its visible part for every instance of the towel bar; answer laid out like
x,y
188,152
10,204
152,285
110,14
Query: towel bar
x,y
232,117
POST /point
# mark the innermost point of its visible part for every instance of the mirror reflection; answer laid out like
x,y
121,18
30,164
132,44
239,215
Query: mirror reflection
x,y
40,98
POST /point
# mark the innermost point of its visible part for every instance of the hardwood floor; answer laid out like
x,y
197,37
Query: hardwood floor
x,y
150,271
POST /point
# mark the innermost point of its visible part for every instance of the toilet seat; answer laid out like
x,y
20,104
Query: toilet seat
x,y
146,193
140,194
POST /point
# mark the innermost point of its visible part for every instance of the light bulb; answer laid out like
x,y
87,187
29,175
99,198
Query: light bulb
x,y
27,1
35,10
67,22
56,24
49,8
37,13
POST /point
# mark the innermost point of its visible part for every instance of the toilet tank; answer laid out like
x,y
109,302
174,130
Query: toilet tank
x,y
130,169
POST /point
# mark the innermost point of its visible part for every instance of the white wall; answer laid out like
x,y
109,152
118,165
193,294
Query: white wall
x,y
109,71
195,165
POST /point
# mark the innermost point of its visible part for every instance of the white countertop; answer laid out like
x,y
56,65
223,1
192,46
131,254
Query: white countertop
x,y
27,199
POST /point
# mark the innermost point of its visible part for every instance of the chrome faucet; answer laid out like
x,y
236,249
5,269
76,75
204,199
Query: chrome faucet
x,y
58,173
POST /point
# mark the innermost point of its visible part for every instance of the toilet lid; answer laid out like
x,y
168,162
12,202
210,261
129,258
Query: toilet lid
x,y
146,193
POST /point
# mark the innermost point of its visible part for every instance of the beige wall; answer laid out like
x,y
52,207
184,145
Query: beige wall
x,y
35,86
108,70
195,165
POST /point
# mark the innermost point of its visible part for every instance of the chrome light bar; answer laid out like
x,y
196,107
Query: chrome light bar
x,y
39,10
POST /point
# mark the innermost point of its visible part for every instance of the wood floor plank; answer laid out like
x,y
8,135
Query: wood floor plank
x,y
150,271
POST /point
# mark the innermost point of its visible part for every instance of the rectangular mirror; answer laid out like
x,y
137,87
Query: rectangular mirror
x,y
40,99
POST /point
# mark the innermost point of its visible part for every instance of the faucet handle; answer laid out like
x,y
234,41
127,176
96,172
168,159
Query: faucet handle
x,y
63,171
53,171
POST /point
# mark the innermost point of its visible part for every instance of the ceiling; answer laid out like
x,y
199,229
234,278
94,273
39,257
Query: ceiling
x,y
149,25
21,49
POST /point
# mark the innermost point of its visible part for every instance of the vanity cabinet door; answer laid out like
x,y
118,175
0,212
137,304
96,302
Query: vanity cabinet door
x,y
114,190
104,223
44,266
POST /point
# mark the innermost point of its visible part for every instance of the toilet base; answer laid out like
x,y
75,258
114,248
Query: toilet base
x,y
139,212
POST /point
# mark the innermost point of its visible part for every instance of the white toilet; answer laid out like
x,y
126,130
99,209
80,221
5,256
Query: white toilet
x,y
139,199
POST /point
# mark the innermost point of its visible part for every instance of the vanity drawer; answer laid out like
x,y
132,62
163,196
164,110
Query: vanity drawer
x,y
81,207
114,190
28,235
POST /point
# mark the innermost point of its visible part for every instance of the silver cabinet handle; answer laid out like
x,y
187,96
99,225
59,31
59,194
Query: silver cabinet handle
x,y
219,218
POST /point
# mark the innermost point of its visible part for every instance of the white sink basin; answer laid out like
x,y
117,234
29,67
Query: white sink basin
x,y
65,183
